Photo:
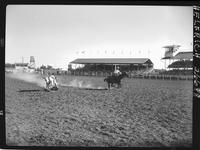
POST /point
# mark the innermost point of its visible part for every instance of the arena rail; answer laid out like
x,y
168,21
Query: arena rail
x,y
156,77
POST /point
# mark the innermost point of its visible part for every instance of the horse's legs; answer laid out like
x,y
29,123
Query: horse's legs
x,y
119,85
109,86
46,83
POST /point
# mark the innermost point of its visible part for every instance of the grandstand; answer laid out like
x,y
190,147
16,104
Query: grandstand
x,y
106,66
182,64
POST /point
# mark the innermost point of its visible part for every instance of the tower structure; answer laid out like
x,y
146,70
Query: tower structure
x,y
169,54
32,62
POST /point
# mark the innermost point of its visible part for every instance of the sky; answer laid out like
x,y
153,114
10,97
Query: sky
x,y
57,34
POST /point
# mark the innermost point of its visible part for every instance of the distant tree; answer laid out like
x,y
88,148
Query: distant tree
x,y
49,67
9,65
38,69
43,67
70,67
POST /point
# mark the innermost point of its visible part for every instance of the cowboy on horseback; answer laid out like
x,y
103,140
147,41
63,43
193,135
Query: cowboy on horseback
x,y
115,78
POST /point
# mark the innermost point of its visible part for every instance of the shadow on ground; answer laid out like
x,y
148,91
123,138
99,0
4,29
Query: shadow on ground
x,y
43,90
95,89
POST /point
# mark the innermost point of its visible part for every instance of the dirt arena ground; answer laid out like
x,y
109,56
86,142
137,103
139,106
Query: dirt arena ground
x,y
142,113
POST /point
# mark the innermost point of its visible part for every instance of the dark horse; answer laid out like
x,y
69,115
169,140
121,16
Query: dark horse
x,y
115,79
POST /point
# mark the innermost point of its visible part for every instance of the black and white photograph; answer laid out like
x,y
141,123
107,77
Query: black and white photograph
x,y
99,75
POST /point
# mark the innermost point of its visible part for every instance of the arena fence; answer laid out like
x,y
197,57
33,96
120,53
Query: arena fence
x,y
156,77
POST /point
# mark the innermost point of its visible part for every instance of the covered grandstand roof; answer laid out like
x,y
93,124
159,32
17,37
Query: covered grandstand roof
x,y
184,55
181,55
112,61
167,57
171,46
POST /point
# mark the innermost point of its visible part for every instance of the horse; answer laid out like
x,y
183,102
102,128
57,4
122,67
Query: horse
x,y
51,82
115,79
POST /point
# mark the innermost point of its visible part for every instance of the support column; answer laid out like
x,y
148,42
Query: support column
x,y
104,70
147,66
95,69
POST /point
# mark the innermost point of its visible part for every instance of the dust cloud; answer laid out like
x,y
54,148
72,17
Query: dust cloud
x,y
29,77
82,84
38,80
79,84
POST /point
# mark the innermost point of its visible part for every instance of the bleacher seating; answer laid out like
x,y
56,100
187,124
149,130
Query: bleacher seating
x,y
181,64
180,67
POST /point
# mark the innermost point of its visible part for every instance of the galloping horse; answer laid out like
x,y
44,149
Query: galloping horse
x,y
115,79
51,82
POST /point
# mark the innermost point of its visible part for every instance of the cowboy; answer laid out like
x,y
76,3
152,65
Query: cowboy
x,y
51,81
117,71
